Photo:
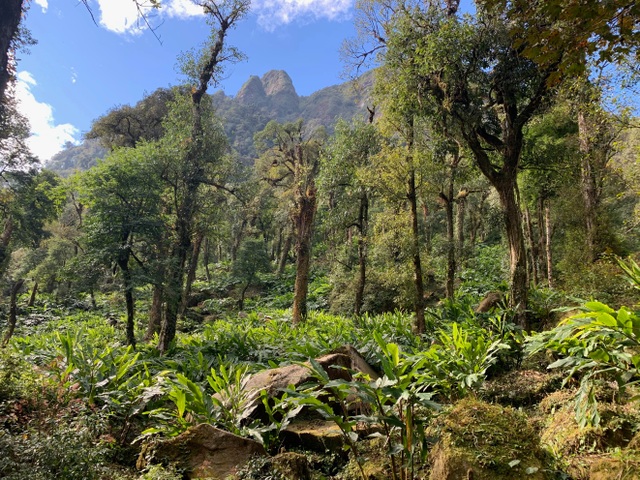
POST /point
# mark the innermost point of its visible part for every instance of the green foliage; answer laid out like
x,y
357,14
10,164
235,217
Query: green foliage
x,y
485,271
226,407
65,448
599,344
396,402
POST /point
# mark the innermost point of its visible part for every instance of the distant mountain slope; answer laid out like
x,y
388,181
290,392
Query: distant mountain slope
x,y
272,97
77,157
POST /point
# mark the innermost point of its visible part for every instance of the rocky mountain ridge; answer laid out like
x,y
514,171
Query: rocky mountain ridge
x,y
261,99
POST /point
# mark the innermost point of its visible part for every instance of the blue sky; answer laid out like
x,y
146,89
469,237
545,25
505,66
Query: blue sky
x,y
79,70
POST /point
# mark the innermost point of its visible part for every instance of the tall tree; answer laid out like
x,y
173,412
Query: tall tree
x,y
349,152
291,161
203,70
468,76
123,222
10,18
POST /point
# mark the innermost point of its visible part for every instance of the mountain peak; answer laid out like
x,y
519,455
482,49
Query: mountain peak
x,y
251,92
278,82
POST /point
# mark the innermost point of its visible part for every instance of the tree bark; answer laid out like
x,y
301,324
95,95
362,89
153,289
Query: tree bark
x,y
517,253
5,240
284,255
420,324
207,259
9,23
532,250
461,203
194,172
13,312
155,313
32,297
304,229
451,242
363,226
547,241
589,187
123,263
191,271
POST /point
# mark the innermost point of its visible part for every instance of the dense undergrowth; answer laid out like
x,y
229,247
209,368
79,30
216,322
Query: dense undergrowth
x,y
75,402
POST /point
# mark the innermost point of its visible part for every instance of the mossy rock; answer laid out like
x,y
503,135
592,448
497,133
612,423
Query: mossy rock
x,y
486,442
624,466
520,388
376,462
617,427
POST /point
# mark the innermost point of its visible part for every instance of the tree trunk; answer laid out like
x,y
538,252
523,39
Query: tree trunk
x,y
451,243
547,241
206,259
173,292
363,226
193,172
237,240
123,263
5,239
242,295
155,313
191,271
9,23
420,325
304,228
542,252
506,188
13,312
285,254
532,250
32,297
461,211
589,188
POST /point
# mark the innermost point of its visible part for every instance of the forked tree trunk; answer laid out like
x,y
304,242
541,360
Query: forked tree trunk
x,y
304,228
191,271
13,312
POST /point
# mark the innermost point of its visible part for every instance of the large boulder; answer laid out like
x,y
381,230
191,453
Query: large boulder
x,y
338,364
486,442
313,434
203,451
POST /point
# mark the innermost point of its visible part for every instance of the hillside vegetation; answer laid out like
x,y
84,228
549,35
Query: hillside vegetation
x,y
431,276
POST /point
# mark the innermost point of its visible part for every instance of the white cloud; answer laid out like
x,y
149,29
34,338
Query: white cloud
x,y
47,138
44,4
74,75
119,16
273,13
181,9
122,16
